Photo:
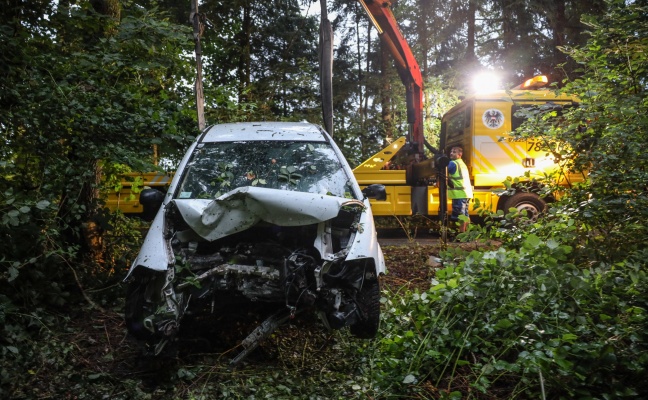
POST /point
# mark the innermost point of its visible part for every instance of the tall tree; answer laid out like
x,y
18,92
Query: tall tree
x,y
266,56
73,102
326,67
605,135
563,20
89,192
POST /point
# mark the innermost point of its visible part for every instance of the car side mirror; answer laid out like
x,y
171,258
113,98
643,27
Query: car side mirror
x,y
375,191
152,200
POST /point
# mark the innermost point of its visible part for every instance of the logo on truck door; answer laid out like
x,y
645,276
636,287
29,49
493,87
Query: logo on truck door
x,y
493,118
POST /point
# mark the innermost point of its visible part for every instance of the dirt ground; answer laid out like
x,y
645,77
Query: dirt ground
x,y
101,346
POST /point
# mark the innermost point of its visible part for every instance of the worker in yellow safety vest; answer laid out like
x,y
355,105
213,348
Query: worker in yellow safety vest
x,y
459,188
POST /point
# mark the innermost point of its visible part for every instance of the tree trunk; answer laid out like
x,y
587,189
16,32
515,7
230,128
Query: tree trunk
x,y
198,85
109,8
385,95
326,68
92,241
471,58
244,58
361,113
559,22
364,95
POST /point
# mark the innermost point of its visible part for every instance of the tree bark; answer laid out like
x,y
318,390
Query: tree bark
x,y
244,58
89,192
559,23
109,8
197,32
326,68
471,58
385,95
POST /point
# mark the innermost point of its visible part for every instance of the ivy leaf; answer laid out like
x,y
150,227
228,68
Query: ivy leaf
x,y
569,337
552,244
13,273
43,204
504,324
532,241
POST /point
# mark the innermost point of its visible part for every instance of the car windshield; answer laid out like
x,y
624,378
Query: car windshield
x,y
217,168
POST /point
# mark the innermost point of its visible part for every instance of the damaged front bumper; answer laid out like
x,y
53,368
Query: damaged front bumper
x,y
298,251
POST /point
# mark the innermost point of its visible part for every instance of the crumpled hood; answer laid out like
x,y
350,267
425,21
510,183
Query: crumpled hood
x,y
244,207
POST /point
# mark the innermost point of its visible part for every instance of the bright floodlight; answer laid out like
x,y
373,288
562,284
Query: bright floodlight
x,y
486,82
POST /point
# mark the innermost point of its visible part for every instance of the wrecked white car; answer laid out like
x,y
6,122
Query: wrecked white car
x,y
264,212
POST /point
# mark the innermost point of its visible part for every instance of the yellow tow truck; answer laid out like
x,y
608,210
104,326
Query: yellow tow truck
x,y
126,198
481,124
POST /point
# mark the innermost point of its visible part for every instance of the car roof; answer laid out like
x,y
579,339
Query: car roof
x,y
249,131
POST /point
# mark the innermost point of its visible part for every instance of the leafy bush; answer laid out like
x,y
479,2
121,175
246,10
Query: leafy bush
x,y
524,322
606,133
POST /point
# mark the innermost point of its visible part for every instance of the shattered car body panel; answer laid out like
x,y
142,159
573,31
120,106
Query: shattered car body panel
x,y
259,212
246,206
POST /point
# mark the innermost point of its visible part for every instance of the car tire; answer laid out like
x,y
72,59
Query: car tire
x,y
136,308
529,202
368,300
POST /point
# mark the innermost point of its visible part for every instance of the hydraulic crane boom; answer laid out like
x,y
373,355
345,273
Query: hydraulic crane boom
x,y
383,19
381,16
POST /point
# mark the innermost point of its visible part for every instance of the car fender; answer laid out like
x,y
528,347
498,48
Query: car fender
x,y
365,244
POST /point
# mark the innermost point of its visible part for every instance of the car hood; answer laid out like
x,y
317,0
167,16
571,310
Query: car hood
x,y
241,208
244,207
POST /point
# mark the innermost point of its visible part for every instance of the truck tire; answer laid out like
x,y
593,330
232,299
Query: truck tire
x,y
368,300
529,202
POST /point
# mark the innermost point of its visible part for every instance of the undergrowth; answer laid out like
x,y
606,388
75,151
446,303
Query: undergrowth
x,y
517,323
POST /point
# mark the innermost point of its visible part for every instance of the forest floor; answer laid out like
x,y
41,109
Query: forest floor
x,y
103,355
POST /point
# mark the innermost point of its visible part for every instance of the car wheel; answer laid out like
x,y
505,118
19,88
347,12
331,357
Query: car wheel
x,y
529,202
368,300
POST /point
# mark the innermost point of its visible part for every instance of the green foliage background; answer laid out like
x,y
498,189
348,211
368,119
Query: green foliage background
x,y
559,310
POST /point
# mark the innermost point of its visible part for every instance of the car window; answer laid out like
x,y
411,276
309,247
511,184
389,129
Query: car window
x,y
217,168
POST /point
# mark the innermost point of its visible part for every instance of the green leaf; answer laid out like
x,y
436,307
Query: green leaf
x,y
13,273
43,204
532,241
504,324
552,244
569,337
439,286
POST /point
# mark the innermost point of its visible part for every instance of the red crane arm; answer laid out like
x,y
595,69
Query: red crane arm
x,y
383,19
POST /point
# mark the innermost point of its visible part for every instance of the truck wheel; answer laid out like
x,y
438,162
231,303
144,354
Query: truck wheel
x,y
368,301
529,202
